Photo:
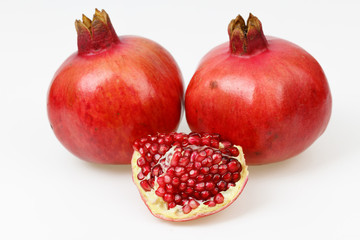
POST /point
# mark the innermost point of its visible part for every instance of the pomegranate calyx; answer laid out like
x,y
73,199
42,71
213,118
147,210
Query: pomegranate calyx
x,y
95,35
246,39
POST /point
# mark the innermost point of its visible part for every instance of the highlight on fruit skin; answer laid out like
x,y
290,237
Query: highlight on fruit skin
x,y
182,177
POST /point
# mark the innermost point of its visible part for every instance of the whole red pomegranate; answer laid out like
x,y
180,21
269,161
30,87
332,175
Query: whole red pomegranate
x,y
266,94
113,91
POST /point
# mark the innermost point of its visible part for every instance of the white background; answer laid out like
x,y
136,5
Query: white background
x,y
47,193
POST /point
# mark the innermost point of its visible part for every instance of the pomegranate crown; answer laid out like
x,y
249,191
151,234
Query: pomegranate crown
x,y
246,39
95,35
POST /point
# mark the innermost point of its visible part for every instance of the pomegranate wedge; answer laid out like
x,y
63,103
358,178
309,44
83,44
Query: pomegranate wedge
x,y
182,177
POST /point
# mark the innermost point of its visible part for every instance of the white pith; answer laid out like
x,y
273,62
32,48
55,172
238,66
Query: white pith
x,y
159,207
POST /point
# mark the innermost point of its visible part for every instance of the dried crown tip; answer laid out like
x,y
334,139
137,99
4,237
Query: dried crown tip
x,y
87,22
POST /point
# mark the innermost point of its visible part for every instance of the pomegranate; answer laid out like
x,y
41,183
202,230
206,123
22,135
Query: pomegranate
x,y
112,91
264,93
182,177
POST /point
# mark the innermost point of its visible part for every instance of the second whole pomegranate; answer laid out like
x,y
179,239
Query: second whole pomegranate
x,y
264,93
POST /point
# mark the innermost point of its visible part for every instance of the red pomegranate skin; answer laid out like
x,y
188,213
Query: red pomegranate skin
x,y
100,102
274,102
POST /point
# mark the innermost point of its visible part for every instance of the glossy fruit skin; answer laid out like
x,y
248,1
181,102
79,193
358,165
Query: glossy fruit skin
x,y
99,103
274,103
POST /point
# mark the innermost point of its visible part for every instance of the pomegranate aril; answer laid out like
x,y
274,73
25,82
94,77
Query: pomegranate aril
x,y
161,181
168,139
184,143
201,156
175,159
193,156
189,190
160,140
163,149
227,177
147,145
145,185
160,191
141,161
148,157
233,166
187,152
205,195
194,140
226,144
167,179
209,151
171,171
209,185
196,195
152,182
190,182
217,157
214,143
157,157
146,170
140,176
200,178
214,191
216,178
184,177
193,204
136,145
179,171
184,161
197,165
214,169
223,169
205,141
143,140
207,162
193,173
156,171
168,197
210,203
208,177
225,151
234,151
186,209
177,198
143,151
189,167
182,186
200,186
171,205
205,170
221,185
169,188
178,137
219,198
175,181
154,148
236,176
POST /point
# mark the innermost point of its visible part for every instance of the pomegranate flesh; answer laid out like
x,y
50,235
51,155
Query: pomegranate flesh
x,y
112,91
263,93
182,177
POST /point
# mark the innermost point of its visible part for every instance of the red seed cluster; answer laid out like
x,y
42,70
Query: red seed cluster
x,y
197,167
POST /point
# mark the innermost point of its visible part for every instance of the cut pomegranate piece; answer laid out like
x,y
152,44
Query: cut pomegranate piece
x,y
182,177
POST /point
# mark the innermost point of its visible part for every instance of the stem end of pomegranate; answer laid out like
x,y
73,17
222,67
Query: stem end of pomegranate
x,y
95,35
246,39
